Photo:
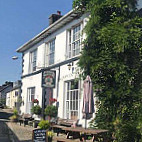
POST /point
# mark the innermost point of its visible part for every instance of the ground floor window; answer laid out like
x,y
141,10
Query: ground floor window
x,y
72,99
30,97
31,94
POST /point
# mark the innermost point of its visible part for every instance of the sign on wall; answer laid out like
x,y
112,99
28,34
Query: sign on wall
x,y
48,79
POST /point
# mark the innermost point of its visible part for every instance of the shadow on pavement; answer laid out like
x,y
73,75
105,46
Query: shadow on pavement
x,y
5,115
14,138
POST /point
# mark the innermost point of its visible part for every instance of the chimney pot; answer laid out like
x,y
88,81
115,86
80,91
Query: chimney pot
x,y
59,12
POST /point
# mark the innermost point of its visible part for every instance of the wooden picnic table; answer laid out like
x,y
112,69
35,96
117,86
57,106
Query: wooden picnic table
x,y
81,132
58,128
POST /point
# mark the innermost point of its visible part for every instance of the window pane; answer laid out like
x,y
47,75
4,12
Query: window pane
x,y
51,52
73,99
74,41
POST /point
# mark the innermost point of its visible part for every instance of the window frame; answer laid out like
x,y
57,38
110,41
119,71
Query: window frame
x,y
72,41
50,51
72,100
33,61
30,95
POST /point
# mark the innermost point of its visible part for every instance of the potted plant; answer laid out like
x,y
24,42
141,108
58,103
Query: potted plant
x,y
52,100
44,124
50,135
35,101
36,110
51,111
14,117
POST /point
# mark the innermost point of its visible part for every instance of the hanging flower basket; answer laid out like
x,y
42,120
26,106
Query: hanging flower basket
x,y
53,100
35,101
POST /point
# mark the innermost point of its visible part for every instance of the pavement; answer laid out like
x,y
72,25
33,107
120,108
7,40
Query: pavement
x,y
17,133
20,133
14,132
4,135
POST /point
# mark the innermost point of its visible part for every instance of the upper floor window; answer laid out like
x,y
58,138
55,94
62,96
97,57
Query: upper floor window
x,y
16,93
74,41
33,60
50,53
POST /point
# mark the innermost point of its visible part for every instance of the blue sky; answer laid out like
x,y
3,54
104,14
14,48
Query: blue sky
x,y
21,20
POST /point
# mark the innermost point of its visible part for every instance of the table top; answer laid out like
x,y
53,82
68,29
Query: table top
x,y
83,130
80,129
58,126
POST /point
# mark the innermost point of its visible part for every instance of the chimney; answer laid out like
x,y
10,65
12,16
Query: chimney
x,y
54,17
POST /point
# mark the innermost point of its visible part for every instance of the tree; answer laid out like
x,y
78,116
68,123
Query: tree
x,y
112,55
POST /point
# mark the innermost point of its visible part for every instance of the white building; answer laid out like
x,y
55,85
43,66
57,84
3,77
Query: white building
x,y
54,49
13,97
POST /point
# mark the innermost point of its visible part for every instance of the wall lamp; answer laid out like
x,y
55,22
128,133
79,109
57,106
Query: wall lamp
x,y
70,65
15,57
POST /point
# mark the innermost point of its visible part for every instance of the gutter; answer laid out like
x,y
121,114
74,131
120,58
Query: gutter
x,y
71,15
52,66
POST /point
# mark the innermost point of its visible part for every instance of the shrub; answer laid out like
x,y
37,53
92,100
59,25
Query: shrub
x,y
50,134
36,110
44,124
15,112
51,111
14,118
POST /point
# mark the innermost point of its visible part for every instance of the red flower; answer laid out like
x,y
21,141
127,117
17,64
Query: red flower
x,y
35,101
53,100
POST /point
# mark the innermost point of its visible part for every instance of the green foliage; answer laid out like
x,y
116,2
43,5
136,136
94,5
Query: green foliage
x,y
36,110
112,55
3,101
14,118
51,111
50,133
15,112
44,124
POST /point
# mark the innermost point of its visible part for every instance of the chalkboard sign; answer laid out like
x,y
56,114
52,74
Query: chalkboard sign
x,y
40,135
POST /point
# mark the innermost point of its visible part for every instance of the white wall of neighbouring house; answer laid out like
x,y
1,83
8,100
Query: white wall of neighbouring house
x,y
8,99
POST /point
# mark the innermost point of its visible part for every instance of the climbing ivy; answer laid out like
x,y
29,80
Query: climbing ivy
x,y
112,56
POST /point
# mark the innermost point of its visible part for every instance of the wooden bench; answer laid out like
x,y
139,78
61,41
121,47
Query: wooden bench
x,y
63,139
61,124
67,122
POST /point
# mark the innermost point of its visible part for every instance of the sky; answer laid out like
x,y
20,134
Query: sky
x,y
20,21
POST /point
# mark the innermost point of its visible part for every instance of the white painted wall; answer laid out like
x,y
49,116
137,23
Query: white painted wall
x,y
65,74
28,82
60,45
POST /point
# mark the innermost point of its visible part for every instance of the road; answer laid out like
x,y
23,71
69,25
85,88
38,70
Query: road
x,y
4,131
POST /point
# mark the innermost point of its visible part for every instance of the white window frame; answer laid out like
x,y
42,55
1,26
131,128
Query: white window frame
x,y
30,94
50,53
33,61
72,101
74,40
